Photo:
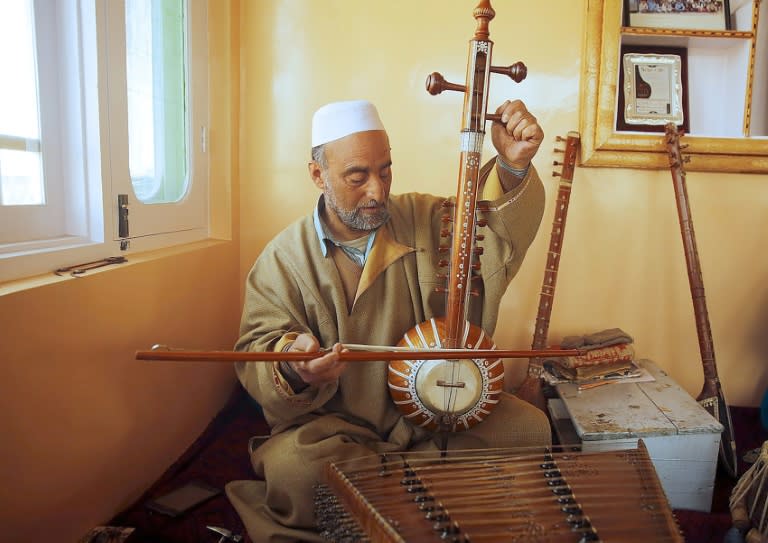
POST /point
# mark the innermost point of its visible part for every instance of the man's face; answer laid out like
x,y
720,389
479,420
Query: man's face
x,y
356,183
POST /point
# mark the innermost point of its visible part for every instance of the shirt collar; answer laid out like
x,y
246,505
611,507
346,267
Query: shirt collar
x,y
323,235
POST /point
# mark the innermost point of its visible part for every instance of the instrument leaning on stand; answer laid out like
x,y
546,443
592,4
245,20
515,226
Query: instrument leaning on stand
x,y
496,495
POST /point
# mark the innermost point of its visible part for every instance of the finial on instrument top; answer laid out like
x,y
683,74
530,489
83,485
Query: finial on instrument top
x,y
483,13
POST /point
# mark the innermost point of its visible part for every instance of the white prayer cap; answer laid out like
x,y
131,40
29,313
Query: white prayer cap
x,y
339,119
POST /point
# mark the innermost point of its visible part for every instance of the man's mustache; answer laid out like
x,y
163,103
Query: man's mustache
x,y
372,204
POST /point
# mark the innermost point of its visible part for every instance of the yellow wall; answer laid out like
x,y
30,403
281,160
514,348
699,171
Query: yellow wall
x,y
622,263
85,428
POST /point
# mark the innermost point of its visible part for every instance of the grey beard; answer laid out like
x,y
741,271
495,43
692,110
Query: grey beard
x,y
354,218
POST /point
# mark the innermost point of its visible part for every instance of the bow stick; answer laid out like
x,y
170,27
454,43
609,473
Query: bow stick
x,y
162,352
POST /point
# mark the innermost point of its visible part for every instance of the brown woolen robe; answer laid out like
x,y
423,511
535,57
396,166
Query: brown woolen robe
x,y
292,288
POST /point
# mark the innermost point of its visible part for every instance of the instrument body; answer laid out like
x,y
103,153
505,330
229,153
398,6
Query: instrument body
x,y
711,397
468,387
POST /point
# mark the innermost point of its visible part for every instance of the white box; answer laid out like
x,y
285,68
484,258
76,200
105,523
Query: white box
x,y
682,438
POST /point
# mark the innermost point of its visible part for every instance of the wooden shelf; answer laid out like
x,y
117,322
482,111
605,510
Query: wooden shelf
x,y
642,31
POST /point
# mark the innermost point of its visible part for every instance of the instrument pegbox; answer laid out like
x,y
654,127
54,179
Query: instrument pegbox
x,y
669,139
436,83
569,159
483,13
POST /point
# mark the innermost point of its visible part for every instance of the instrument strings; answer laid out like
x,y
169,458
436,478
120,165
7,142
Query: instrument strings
x,y
467,496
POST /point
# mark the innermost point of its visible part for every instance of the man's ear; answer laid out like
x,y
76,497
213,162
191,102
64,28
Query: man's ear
x,y
316,174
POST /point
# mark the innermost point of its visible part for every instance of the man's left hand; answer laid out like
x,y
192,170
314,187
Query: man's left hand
x,y
518,137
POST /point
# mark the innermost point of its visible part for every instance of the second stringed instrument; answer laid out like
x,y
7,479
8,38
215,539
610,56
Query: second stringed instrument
x,y
530,388
711,397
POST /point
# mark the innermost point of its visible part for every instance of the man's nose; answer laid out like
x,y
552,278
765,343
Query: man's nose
x,y
376,188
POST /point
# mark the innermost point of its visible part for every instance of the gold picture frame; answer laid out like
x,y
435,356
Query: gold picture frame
x,y
602,146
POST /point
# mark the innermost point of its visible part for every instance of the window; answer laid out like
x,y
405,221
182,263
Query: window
x,y
107,101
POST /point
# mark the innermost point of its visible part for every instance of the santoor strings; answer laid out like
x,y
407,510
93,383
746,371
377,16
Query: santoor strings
x,y
494,495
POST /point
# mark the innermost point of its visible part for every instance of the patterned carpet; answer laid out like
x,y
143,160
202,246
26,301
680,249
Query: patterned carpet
x,y
220,455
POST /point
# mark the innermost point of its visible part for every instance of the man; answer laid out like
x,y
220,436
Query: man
x,y
363,269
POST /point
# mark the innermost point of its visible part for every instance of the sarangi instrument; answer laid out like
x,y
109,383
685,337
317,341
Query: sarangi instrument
x,y
449,396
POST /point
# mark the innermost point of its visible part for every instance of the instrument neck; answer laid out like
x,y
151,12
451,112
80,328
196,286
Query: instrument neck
x,y
463,246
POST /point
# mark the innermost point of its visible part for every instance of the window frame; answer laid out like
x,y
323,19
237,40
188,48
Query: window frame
x,y
89,150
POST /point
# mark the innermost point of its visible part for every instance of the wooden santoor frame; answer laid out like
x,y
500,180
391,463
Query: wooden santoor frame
x,y
603,146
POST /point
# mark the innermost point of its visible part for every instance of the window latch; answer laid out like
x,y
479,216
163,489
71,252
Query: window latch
x,y
122,215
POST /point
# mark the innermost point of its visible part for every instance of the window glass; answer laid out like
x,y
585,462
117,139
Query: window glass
x,y
157,89
21,176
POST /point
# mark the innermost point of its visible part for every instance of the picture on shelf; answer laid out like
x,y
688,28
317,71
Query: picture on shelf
x,y
678,14
652,88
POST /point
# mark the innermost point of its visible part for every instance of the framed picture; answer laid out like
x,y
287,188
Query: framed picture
x,y
680,14
653,88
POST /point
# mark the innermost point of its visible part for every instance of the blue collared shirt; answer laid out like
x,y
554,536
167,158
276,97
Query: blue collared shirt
x,y
323,235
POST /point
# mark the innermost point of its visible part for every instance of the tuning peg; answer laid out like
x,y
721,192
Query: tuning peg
x,y
448,204
517,71
445,233
481,222
479,237
478,251
446,218
437,84
556,174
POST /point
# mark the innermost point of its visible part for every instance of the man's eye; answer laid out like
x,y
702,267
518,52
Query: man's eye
x,y
356,180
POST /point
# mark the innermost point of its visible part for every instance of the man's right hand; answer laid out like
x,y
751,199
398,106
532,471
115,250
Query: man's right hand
x,y
323,369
